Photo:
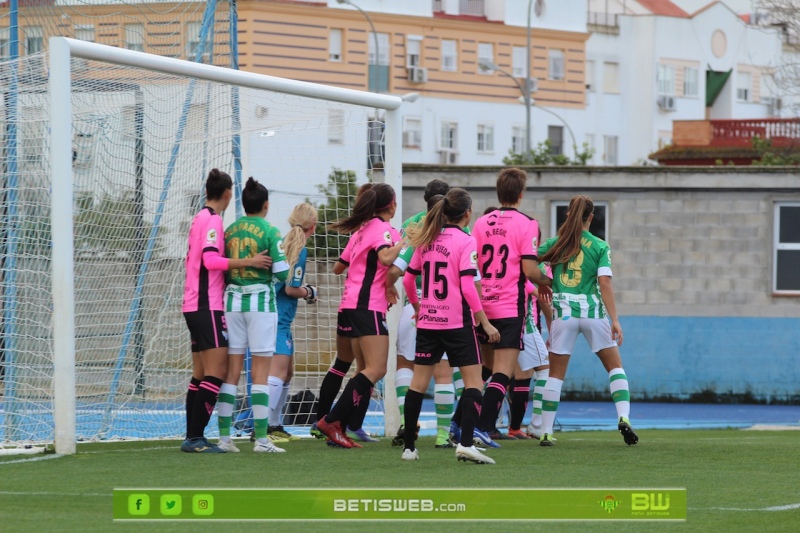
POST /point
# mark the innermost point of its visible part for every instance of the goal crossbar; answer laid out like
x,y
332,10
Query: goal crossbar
x,y
61,50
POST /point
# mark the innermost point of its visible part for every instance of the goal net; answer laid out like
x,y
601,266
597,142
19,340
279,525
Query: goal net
x,y
142,134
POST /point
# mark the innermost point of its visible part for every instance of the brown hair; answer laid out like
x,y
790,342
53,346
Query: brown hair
x,y
569,234
372,199
450,208
510,184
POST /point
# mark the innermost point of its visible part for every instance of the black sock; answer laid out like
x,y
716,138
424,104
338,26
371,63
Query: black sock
x,y
519,391
331,384
472,399
355,394
356,419
204,403
492,400
411,410
458,415
191,392
486,373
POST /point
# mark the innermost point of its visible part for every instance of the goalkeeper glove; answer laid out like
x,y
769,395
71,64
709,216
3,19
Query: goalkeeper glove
x,y
312,294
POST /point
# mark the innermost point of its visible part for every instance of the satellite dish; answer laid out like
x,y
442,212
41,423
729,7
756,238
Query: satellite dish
x,y
538,8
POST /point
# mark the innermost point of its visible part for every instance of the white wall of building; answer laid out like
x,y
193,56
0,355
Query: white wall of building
x,y
416,8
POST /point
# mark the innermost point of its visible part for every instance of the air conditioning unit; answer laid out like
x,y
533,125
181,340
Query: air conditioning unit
x,y
411,139
666,103
417,74
448,157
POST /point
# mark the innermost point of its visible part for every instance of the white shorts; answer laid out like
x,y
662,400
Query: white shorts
x,y
254,329
564,331
535,352
407,335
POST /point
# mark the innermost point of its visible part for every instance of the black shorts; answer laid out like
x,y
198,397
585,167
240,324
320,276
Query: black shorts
x,y
460,344
510,333
207,329
355,323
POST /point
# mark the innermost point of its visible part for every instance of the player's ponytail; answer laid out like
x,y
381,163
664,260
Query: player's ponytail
x,y
450,208
569,234
372,199
253,196
217,183
302,219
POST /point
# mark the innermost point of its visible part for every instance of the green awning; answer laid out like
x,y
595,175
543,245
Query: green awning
x,y
715,81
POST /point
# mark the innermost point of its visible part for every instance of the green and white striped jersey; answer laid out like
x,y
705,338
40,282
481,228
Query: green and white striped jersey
x,y
251,289
576,292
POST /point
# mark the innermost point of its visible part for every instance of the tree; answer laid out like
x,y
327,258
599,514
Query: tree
x,y
340,192
769,156
785,16
543,155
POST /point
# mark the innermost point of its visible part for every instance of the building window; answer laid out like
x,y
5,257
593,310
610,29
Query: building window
x,y
5,51
84,33
413,47
598,227
485,138
691,86
449,140
34,40
518,139
193,40
664,138
134,37
519,63
412,133
786,263
556,64
744,84
590,83
485,56
665,79
611,78
449,56
610,149
383,46
555,134
335,45
335,126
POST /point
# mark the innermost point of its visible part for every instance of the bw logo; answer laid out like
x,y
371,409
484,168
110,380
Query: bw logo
x,y
642,501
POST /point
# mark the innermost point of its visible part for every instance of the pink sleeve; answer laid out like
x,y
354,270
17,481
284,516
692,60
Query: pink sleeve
x,y
410,285
213,261
470,293
529,287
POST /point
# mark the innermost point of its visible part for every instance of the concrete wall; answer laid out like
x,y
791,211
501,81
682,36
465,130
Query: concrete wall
x,y
693,263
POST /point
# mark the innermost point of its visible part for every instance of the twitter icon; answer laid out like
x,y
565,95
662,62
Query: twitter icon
x,y
171,504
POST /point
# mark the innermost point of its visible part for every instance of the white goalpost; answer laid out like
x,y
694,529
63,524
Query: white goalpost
x,y
131,138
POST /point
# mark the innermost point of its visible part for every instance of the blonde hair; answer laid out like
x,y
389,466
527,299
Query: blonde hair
x,y
303,217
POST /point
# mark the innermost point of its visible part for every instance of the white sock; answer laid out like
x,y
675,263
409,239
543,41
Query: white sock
x,y
620,392
540,378
550,398
275,414
275,385
402,381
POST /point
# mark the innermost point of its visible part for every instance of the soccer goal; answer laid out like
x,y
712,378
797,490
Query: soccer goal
x,y
105,156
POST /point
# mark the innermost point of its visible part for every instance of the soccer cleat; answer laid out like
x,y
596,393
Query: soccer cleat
x,y
315,432
360,434
267,447
443,439
482,438
455,431
473,455
546,440
399,439
334,433
410,455
278,431
275,438
228,446
518,434
628,434
534,432
496,434
200,445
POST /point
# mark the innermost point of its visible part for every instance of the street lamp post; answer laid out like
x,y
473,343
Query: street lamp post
x,y
370,73
527,93
485,64
531,102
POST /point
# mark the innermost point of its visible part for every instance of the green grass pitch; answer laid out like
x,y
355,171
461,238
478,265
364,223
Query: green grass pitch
x,y
735,480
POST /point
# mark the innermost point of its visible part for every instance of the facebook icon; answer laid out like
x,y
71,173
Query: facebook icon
x,y
138,504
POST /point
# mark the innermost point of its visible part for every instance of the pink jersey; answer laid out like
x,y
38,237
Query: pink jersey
x,y
204,287
505,237
444,265
365,287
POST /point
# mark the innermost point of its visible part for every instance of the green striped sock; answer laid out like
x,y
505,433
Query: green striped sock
x,y
259,399
444,400
225,404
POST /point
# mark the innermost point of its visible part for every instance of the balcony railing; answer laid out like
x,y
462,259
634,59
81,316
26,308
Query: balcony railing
x,y
437,6
599,18
471,7
782,132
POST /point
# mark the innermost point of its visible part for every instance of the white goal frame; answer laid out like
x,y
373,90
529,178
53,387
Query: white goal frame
x,y
62,49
